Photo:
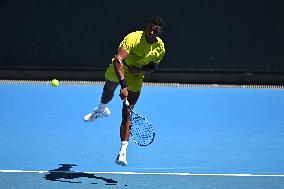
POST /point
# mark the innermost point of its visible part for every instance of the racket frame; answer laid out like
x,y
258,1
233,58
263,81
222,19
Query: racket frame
x,y
126,103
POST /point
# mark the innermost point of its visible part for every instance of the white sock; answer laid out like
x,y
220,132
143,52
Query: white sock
x,y
102,106
124,145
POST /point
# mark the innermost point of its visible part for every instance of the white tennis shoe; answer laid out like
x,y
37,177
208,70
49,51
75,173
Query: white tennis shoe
x,y
121,159
97,113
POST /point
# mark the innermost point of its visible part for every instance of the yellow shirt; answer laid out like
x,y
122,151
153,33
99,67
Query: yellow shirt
x,y
140,53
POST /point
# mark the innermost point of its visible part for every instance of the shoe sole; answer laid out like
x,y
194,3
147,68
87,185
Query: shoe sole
x,y
92,120
121,163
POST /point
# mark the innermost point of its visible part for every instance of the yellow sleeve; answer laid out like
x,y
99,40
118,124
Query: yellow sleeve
x,y
129,42
159,58
161,52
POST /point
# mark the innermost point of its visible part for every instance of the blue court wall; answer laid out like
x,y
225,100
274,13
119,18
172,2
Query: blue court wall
x,y
205,39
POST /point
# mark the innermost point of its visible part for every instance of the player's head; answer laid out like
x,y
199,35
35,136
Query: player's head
x,y
157,21
154,28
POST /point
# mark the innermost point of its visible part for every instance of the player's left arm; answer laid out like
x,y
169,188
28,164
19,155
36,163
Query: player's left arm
x,y
148,68
151,67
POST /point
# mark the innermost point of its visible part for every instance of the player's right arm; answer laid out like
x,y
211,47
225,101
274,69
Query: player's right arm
x,y
118,68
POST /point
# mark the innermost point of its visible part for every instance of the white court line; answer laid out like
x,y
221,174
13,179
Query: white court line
x,y
137,173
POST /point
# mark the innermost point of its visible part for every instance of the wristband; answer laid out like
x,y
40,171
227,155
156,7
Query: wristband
x,y
123,83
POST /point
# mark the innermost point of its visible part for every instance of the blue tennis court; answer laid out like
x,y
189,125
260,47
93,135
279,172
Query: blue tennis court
x,y
206,137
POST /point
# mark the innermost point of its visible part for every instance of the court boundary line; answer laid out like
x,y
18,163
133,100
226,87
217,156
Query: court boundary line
x,y
182,85
145,173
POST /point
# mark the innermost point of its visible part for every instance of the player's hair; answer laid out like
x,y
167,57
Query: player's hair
x,y
158,21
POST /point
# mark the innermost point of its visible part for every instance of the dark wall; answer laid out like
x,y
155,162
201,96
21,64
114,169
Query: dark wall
x,y
200,36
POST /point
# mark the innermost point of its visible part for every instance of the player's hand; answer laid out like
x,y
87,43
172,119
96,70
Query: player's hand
x,y
123,93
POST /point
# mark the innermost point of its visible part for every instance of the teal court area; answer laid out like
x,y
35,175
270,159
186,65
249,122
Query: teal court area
x,y
206,137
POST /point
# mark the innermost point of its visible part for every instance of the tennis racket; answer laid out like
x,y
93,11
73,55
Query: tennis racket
x,y
141,130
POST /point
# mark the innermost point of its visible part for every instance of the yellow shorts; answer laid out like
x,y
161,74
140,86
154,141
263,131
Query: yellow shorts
x,y
134,81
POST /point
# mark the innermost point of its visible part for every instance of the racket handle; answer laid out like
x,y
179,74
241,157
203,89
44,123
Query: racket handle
x,y
126,103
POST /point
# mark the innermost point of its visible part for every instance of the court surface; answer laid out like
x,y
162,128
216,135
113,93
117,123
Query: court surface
x,y
205,138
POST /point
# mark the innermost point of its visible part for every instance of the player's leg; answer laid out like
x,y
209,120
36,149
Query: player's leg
x,y
134,83
125,124
125,127
102,109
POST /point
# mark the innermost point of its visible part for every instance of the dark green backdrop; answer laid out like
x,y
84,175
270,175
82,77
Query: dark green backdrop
x,y
206,41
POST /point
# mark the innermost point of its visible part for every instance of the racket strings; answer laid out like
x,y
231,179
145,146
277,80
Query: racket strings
x,y
141,130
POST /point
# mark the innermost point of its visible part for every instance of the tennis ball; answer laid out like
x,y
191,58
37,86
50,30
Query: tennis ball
x,y
54,83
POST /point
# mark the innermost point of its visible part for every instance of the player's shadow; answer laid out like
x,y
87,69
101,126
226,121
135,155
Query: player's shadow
x,y
64,174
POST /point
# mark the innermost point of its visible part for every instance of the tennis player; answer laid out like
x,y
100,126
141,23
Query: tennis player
x,y
139,52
